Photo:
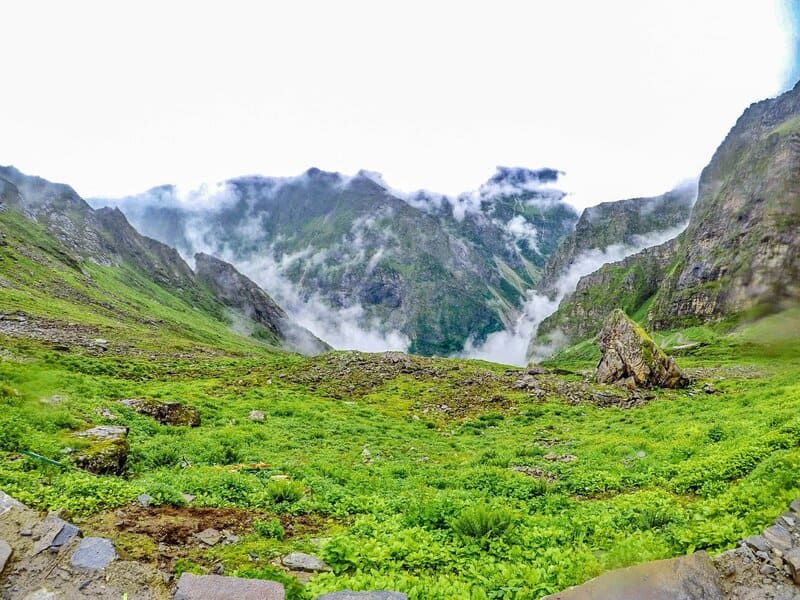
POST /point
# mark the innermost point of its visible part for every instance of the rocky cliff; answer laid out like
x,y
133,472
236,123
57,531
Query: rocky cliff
x,y
741,251
240,293
625,222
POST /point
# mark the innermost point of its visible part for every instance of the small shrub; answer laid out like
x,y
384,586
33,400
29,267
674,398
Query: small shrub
x,y
716,434
284,490
163,494
270,529
483,521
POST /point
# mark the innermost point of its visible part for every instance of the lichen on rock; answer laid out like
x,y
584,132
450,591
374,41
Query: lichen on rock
x,y
632,359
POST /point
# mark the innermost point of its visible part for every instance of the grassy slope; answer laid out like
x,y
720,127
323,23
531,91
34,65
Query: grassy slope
x,y
687,470
714,468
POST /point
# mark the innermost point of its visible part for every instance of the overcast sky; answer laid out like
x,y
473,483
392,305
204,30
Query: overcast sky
x,y
627,96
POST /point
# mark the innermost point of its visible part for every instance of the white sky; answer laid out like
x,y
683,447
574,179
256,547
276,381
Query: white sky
x,y
627,96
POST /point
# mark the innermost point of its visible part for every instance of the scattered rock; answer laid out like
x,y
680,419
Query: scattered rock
x,y
8,503
630,357
304,562
5,554
105,413
709,388
692,577
93,553
758,543
166,413
188,498
52,533
792,559
144,500
349,595
217,587
536,370
256,415
210,536
108,453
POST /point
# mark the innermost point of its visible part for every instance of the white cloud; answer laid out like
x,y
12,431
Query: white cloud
x,y
625,96
511,345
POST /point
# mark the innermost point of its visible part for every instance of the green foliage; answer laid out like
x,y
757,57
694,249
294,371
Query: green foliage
x,y
283,490
270,529
484,521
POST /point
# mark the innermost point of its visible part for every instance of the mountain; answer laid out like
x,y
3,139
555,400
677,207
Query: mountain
x,y
240,293
627,223
741,251
352,258
71,257
740,254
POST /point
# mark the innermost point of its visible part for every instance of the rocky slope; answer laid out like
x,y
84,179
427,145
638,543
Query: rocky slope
x,y
626,284
240,293
73,235
435,270
625,222
740,253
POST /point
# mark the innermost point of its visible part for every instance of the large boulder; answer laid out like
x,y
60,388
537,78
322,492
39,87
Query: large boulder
x,y
692,577
106,452
631,358
166,413
217,587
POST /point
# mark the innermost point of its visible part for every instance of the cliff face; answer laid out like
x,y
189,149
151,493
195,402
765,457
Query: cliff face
x,y
626,284
741,251
625,222
240,293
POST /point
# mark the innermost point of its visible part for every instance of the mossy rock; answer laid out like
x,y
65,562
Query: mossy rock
x,y
106,452
631,358
166,413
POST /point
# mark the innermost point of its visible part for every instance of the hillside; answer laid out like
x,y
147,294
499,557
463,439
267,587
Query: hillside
x,y
421,271
740,254
73,274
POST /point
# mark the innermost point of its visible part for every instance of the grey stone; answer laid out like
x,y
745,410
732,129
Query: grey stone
x,y
787,520
188,498
256,415
757,543
692,577
349,595
210,536
767,569
795,506
144,500
778,537
304,562
52,533
5,554
792,560
104,432
93,553
7,503
217,587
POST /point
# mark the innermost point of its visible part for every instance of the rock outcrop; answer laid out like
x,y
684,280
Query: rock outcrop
x,y
106,452
166,413
624,222
632,359
242,294
741,250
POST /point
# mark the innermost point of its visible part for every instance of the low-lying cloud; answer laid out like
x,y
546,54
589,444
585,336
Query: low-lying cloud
x,y
511,346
